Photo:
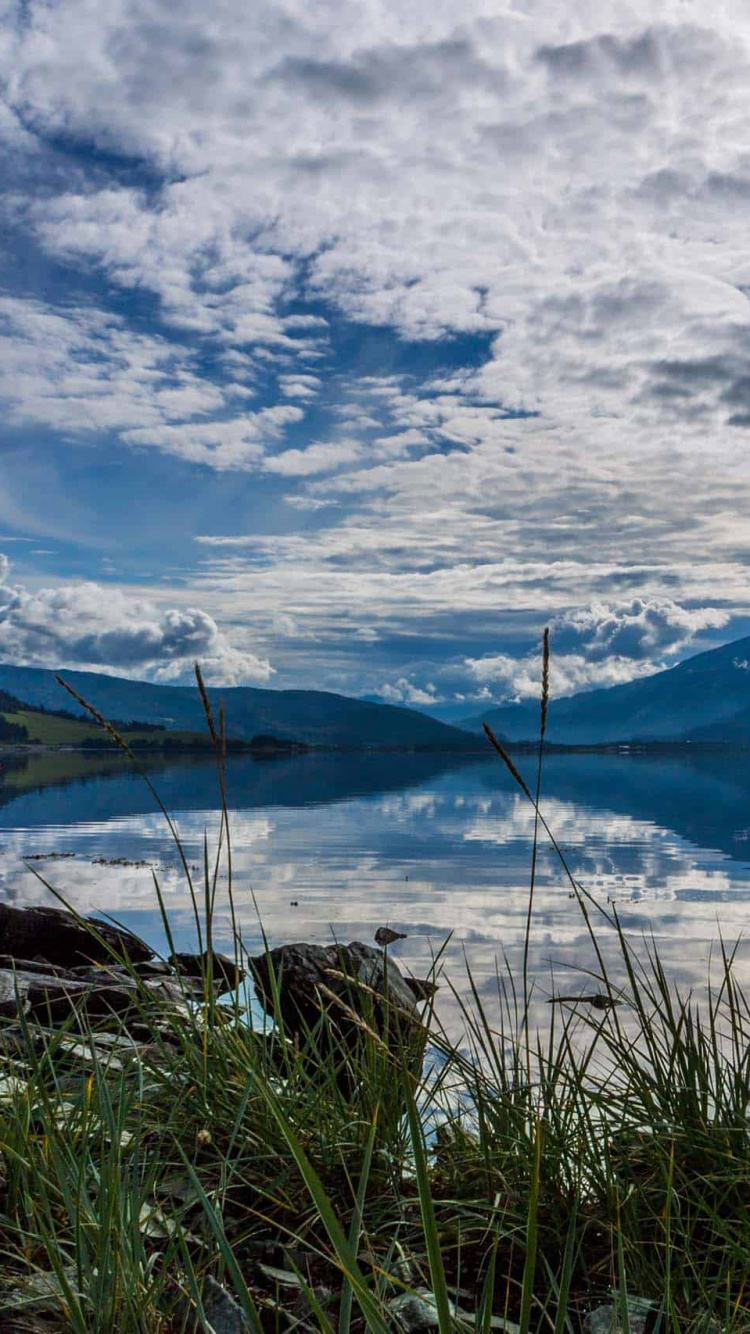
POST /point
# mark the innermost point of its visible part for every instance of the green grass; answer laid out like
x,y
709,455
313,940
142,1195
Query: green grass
x,y
49,730
522,1175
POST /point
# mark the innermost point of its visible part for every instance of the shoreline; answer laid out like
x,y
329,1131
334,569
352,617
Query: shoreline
x,y
300,750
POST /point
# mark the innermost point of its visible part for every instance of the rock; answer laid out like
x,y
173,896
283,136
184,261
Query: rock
x,y
14,1044
415,1311
166,987
226,974
301,1306
20,991
604,1319
59,937
223,1313
361,978
39,1293
52,995
178,1191
96,973
110,1050
144,1033
13,993
55,991
153,968
155,1223
12,1086
54,998
386,936
169,990
32,966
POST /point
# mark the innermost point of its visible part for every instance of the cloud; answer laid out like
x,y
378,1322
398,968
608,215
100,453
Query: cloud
x,y
90,625
236,443
638,629
406,691
549,199
83,372
520,678
299,386
317,458
600,646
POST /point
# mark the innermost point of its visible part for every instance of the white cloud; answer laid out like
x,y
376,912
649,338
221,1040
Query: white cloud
x,y
299,386
574,199
600,646
81,372
406,691
639,629
569,180
317,458
304,503
520,678
91,625
237,443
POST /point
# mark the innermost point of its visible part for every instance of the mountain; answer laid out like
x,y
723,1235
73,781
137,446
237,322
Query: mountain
x,y
734,730
316,717
704,698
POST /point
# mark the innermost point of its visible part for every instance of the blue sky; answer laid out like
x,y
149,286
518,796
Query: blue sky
x,y
349,354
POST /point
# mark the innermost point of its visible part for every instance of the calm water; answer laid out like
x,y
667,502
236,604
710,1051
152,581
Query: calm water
x,y
429,846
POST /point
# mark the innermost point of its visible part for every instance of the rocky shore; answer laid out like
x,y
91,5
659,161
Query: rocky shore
x,y
168,1167
85,999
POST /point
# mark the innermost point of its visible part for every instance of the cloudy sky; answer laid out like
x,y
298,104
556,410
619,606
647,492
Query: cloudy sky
x,y
346,346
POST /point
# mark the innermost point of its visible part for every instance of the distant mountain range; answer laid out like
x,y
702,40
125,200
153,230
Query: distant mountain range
x,y
316,717
706,698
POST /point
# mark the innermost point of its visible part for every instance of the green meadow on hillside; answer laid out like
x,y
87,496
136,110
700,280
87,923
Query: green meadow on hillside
x,y
51,730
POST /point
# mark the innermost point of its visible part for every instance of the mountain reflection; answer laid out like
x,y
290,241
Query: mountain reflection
x,y
434,846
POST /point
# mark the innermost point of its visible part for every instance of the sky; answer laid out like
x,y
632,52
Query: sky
x,y
346,346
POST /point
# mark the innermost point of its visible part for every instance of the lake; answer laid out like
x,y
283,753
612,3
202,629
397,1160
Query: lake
x,y
433,846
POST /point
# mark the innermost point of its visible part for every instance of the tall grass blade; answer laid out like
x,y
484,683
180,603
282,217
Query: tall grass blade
x,y
427,1209
347,1292
532,1233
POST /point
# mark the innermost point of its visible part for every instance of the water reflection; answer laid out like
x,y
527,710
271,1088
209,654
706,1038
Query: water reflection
x,y
433,846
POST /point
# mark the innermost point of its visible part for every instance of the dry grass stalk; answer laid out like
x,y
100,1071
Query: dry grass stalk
x,y
96,715
205,701
505,757
545,681
351,1014
376,995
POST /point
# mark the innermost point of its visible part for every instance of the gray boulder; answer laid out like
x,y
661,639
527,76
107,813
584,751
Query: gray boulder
x,y
350,981
227,976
